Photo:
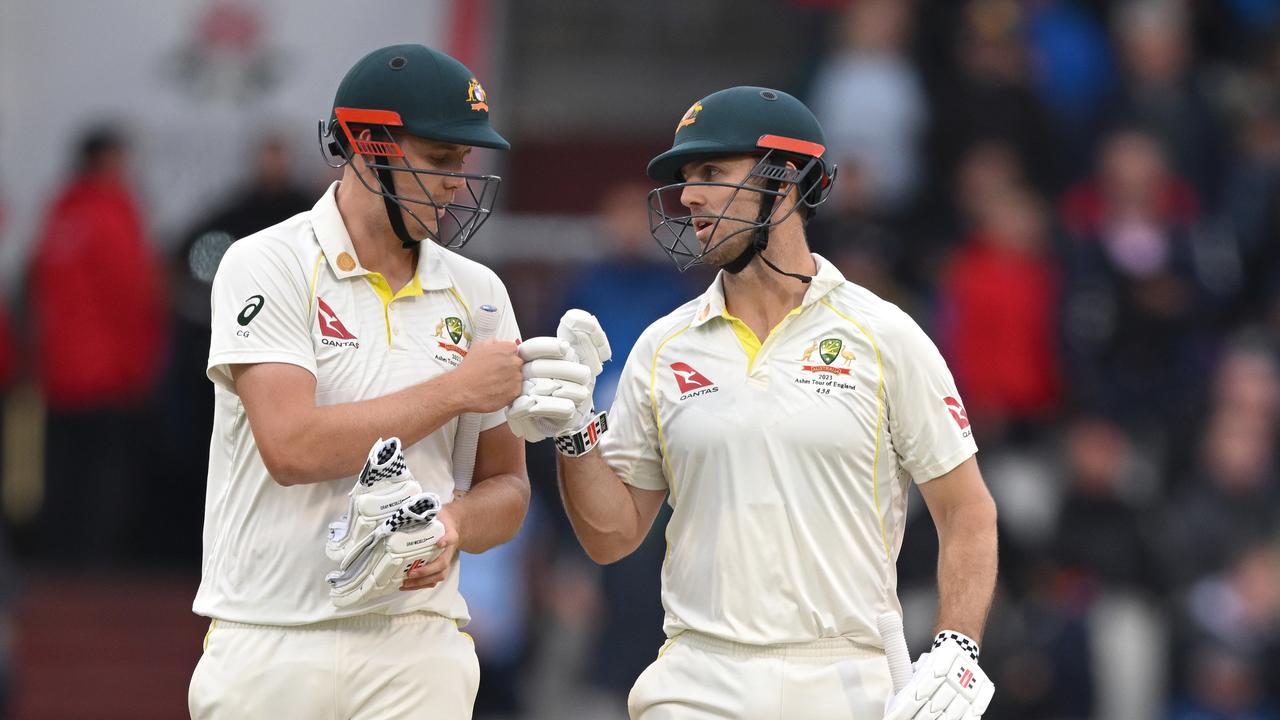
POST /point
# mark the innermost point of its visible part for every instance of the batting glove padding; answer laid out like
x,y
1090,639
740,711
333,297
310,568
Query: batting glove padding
x,y
382,487
378,563
947,684
560,376
582,331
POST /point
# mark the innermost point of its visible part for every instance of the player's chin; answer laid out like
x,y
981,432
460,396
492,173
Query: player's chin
x,y
723,252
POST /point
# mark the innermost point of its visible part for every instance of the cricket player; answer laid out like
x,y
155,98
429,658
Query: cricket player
x,y
346,324
782,414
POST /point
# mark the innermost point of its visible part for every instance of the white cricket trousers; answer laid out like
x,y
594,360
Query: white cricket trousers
x,y
417,665
699,677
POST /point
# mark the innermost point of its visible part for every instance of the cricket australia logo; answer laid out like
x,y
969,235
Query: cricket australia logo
x,y
832,353
450,332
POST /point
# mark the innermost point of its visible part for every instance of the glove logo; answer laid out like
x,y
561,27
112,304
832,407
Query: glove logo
x,y
691,382
966,678
250,311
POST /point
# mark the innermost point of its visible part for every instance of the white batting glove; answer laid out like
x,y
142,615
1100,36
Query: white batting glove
x,y
378,563
947,684
560,376
383,485
582,331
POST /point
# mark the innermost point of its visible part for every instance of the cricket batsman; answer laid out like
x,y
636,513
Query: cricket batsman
x,y
339,327
782,414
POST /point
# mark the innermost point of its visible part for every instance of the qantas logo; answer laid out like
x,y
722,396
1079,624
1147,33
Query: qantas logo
x,y
957,412
691,382
689,379
332,327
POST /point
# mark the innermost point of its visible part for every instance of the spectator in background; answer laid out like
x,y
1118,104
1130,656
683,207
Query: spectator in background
x,y
1102,539
1252,201
1233,664
869,96
1073,70
99,325
999,307
633,269
988,95
866,247
1233,502
1161,90
269,196
1134,303
1223,685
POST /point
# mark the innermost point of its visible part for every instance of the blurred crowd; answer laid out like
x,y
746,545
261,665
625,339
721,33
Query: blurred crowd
x,y
1079,201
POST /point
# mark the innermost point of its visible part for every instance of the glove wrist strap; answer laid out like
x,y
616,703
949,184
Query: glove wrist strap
x,y
583,441
965,642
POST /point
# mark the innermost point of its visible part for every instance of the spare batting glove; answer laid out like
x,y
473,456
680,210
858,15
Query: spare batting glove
x,y
382,486
947,684
378,563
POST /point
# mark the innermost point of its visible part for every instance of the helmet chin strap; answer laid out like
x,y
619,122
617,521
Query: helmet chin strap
x,y
396,218
760,240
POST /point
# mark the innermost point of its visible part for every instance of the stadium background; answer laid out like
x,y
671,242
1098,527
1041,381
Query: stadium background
x,y
1079,200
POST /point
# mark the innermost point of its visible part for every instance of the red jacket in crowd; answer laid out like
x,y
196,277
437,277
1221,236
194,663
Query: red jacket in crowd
x,y
97,299
1000,329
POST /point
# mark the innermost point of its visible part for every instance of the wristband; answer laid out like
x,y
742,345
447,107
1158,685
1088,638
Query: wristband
x,y
581,442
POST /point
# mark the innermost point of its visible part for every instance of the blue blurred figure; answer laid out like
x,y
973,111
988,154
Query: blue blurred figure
x,y
634,270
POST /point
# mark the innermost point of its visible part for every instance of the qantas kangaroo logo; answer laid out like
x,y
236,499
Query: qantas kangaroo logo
x,y
332,330
957,411
689,379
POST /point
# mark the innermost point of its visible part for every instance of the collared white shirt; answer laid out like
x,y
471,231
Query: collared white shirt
x,y
787,461
296,293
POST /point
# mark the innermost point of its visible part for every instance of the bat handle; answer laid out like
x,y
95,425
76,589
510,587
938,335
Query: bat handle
x,y
464,442
895,649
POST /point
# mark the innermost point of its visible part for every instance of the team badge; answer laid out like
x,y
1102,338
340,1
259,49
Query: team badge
x,y
450,333
454,326
829,349
832,353
476,95
690,116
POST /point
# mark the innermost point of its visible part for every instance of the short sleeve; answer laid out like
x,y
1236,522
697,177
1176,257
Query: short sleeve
x,y
261,311
631,446
927,420
509,330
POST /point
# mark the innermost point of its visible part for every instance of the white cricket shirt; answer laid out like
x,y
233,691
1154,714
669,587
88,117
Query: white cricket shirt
x,y
296,293
787,461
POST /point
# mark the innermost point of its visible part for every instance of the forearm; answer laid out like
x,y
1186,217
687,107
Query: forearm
x,y
491,513
967,562
600,507
331,441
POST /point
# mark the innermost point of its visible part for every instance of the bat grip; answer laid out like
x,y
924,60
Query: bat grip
x,y
895,649
464,442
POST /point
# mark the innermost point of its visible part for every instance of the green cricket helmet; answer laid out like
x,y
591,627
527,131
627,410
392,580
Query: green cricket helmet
x,y
428,94
768,124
